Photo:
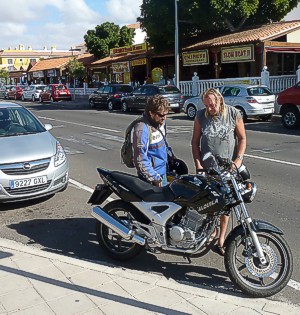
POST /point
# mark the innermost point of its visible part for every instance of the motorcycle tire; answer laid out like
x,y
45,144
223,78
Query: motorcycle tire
x,y
245,271
113,244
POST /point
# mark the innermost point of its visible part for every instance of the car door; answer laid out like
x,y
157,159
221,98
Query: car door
x,y
135,99
28,91
229,95
104,95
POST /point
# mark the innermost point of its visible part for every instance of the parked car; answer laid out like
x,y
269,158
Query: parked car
x,y
288,102
4,89
32,92
15,92
251,100
39,166
109,96
54,93
138,99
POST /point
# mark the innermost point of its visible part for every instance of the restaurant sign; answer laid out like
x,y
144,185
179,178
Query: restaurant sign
x,y
51,73
237,54
139,48
192,58
38,74
138,62
120,67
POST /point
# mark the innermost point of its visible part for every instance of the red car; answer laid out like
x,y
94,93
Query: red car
x,y
15,92
54,93
289,106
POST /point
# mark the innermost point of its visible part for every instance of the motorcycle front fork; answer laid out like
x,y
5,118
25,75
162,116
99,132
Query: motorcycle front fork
x,y
248,221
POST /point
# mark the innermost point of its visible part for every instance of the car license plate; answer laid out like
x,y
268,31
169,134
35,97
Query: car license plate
x,y
62,93
174,105
268,110
28,182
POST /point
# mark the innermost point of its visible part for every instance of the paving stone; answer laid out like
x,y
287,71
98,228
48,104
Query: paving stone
x,y
71,304
134,287
31,263
42,309
13,283
122,308
18,300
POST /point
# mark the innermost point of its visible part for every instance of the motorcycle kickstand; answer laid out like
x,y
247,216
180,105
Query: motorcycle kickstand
x,y
187,257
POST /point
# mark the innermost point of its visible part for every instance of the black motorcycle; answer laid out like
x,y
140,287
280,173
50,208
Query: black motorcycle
x,y
181,217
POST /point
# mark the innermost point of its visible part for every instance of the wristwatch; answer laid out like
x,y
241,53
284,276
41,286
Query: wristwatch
x,y
240,157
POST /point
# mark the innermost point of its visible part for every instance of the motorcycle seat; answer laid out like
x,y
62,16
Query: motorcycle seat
x,y
143,190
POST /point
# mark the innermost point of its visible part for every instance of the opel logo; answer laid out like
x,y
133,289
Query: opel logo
x,y
27,166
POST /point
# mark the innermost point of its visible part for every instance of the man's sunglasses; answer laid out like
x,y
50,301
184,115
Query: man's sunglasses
x,y
161,115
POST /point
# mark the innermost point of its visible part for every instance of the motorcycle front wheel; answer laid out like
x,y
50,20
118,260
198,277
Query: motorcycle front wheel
x,y
113,244
246,271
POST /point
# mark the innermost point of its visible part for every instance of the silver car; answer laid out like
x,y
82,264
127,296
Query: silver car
x,y
251,100
33,163
32,92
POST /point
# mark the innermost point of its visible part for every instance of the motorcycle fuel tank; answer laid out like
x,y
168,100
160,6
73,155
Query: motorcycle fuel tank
x,y
197,191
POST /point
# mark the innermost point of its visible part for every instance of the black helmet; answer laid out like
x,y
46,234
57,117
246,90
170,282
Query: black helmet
x,y
178,167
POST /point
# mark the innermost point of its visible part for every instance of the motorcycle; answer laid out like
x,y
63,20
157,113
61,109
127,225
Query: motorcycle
x,y
181,217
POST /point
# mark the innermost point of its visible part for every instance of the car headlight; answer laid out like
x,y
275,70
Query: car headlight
x,y
60,155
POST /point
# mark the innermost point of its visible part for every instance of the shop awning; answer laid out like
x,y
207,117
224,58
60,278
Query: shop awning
x,y
283,49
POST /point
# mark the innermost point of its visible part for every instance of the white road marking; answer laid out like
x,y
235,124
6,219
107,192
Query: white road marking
x,y
272,160
105,136
266,151
292,283
78,124
85,142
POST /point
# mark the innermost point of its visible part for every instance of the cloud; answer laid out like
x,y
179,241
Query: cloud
x,y
60,22
123,11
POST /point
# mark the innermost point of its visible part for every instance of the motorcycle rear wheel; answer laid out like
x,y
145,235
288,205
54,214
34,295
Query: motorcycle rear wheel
x,y
246,272
113,244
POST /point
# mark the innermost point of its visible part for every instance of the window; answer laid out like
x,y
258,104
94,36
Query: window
x,y
10,61
33,60
106,89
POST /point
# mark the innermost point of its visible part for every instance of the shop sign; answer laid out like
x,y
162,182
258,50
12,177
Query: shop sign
x,y
139,48
38,74
156,73
51,73
237,54
192,58
138,62
120,67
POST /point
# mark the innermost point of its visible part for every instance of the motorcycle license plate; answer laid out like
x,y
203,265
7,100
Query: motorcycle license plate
x,y
27,182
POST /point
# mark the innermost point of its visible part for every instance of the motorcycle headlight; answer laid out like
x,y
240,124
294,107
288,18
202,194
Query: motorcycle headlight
x,y
249,192
60,155
244,172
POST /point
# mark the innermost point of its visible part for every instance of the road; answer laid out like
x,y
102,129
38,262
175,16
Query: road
x,y
93,138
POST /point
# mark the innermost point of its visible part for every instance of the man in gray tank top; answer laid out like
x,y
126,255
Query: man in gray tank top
x,y
218,129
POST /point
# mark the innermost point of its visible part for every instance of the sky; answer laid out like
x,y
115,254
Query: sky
x,y
63,23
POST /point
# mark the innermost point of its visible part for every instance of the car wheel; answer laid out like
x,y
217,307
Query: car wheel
x,y
243,114
51,99
33,98
40,99
23,98
110,105
92,103
191,111
291,118
124,107
266,117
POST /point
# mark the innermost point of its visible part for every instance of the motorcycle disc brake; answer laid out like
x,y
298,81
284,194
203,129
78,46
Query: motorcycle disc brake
x,y
262,271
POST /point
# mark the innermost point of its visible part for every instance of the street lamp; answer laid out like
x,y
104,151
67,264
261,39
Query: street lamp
x,y
176,45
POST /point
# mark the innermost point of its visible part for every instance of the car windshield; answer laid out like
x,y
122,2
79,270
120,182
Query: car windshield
x,y
170,89
18,120
124,89
40,87
258,91
60,87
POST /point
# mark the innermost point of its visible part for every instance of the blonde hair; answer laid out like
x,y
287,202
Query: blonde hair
x,y
218,96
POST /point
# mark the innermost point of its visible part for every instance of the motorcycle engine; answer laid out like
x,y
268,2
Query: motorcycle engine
x,y
184,233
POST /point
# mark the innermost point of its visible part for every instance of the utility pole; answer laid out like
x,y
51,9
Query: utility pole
x,y
176,45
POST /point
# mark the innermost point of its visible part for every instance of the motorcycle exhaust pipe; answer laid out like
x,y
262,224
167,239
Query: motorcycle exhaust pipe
x,y
116,226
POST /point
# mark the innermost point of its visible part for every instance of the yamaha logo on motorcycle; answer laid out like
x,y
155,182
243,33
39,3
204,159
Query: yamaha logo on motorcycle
x,y
181,217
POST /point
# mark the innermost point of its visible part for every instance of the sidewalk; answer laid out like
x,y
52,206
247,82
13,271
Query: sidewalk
x,y
33,281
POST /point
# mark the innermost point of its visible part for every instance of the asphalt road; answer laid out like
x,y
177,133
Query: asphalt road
x,y
93,138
